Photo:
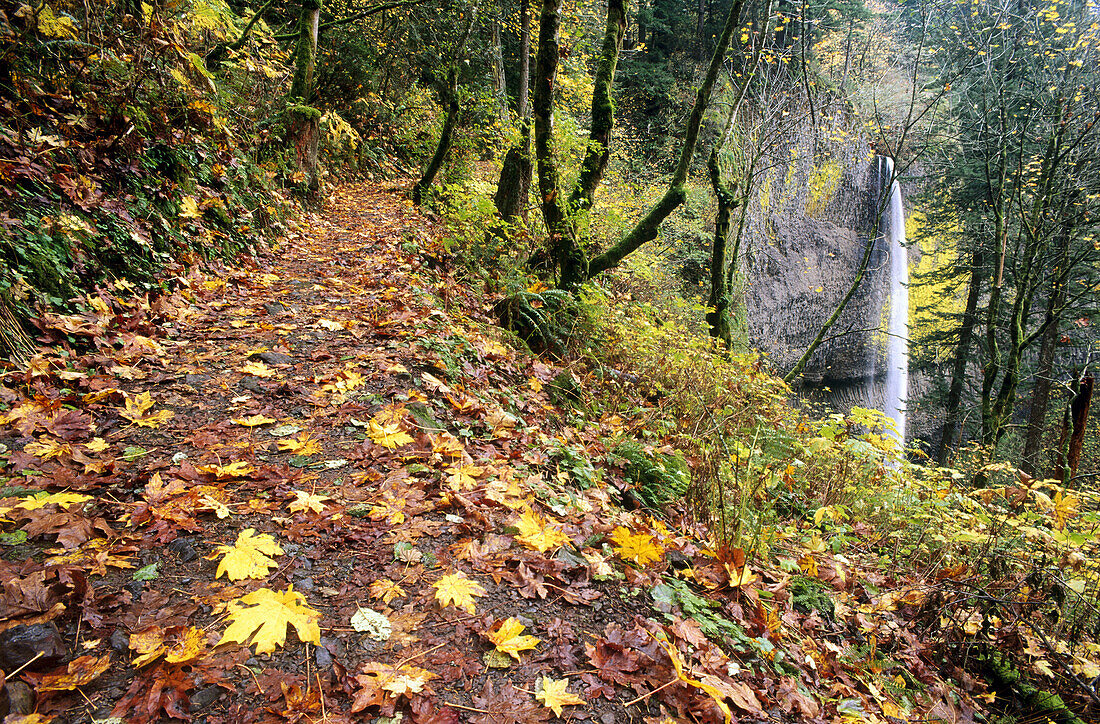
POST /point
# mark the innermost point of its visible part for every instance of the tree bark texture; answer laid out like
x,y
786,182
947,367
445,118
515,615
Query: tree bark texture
x,y
446,137
304,121
1073,429
949,439
514,185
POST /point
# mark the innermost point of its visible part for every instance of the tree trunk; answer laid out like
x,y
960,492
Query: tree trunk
x,y
446,137
15,345
1073,429
499,86
303,121
646,228
951,425
718,319
449,97
568,254
514,185
1040,395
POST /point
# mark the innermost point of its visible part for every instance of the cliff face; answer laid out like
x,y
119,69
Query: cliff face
x,y
806,245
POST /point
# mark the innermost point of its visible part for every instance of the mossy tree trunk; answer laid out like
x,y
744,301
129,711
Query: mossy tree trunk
x,y
566,250
449,97
718,320
723,264
953,405
514,185
304,121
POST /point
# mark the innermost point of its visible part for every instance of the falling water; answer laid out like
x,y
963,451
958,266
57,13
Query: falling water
x,y
897,339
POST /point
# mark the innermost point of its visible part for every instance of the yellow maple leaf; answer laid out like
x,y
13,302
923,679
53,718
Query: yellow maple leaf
x,y
388,434
257,369
554,695
459,591
48,448
386,589
539,534
637,547
304,444
262,617
253,420
248,557
97,444
397,680
177,645
138,406
304,501
236,469
463,477
81,671
39,500
189,208
508,637
1064,509
137,411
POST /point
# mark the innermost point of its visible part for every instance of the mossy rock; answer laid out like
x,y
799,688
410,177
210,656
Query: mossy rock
x,y
810,594
660,478
1038,704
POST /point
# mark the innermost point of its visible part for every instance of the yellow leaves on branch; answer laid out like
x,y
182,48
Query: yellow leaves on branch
x,y
538,534
508,637
261,617
248,558
457,590
554,695
138,408
637,547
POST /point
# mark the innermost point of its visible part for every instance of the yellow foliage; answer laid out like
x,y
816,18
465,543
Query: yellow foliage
x,y
261,617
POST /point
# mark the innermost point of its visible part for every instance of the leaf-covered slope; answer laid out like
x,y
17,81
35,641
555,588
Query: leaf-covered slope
x,y
380,476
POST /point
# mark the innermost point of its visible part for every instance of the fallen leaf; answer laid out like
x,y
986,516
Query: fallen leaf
x,y
539,534
553,695
637,547
253,420
386,589
262,617
81,671
248,557
458,590
304,501
508,638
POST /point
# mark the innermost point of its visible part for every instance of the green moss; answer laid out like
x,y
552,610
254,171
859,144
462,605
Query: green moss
x,y
661,478
308,113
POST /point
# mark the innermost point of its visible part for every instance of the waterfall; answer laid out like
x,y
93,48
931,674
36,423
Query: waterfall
x,y
897,332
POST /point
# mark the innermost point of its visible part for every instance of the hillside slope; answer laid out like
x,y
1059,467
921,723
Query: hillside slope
x,y
323,487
